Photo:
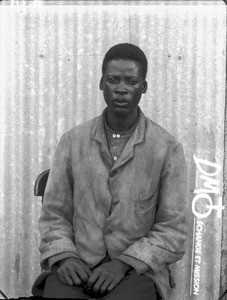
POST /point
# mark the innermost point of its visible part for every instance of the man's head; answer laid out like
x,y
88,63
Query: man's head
x,y
128,52
123,80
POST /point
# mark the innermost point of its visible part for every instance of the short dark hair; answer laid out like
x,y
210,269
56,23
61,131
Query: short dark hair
x,y
126,51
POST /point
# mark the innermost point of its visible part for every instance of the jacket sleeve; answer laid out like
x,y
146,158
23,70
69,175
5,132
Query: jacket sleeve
x,y
165,243
55,223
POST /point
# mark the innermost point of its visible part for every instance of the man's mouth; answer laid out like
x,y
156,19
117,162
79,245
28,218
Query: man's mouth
x,y
121,101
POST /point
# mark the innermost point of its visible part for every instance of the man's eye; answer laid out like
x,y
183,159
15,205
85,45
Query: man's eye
x,y
111,80
132,82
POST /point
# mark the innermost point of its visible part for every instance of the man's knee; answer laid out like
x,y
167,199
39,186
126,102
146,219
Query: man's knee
x,y
134,287
54,288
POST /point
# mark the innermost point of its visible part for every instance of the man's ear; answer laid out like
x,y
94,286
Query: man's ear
x,y
144,87
101,84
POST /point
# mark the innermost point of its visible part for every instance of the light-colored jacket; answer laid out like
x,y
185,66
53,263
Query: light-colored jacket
x,y
134,209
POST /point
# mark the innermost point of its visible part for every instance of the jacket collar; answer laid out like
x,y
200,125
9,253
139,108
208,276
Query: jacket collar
x,y
99,135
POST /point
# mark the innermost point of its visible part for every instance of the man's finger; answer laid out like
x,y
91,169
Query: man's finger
x,y
105,285
82,268
87,270
99,282
81,272
68,280
75,278
94,276
64,278
111,286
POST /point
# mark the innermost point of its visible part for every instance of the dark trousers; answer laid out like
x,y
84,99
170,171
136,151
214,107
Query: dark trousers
x,y
132,287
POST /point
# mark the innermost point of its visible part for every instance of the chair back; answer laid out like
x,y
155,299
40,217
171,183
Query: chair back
x,y
40,183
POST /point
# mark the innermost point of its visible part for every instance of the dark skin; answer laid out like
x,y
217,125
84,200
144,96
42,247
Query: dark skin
x,y
122,85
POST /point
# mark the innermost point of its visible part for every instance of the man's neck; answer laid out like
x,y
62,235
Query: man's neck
x,y
121,122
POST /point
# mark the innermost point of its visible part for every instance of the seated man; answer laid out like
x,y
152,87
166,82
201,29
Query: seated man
x,y
113,216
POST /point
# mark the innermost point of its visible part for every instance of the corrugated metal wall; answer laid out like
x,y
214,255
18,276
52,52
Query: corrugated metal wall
x,y
223,275
50,67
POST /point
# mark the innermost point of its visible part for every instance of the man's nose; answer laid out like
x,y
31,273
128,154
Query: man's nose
x,y
121,89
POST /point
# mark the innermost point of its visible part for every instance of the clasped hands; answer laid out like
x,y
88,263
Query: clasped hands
x,y
72,271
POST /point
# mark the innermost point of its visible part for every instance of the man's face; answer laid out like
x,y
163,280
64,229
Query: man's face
x,y
123,85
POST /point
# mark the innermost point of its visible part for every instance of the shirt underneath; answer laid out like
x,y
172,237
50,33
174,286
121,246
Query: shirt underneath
x,y
117,140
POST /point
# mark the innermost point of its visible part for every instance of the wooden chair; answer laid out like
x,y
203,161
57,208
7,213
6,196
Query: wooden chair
x,y
40,183
39,189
